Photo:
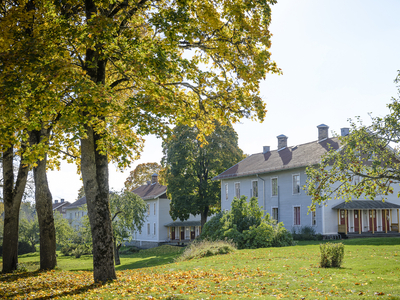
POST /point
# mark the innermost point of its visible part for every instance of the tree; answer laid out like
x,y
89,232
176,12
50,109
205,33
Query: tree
x,y
122,69
63,229
246,226
29,231
141,174
128,215
191,166
366,165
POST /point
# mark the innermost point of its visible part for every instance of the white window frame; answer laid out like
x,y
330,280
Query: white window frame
x,y
272,212
237,188
314,218
252,188
294,220
226,192
293,186
272,187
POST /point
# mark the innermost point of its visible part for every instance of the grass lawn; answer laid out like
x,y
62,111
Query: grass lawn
x,y
371,269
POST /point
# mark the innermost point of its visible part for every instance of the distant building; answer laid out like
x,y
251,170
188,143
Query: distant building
x,y
60,206
74,212
159,227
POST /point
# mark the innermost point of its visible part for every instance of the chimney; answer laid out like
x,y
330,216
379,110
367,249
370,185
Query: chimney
x,y
62,200
148,182
282,141
344,131
265,149
154,178
323,132
56,201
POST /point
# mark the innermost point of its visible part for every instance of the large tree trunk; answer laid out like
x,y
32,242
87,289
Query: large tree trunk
x,y
94,168
12,197
43,199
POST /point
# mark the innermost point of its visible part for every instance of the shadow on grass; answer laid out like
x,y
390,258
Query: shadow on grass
x,y
10,277
148,262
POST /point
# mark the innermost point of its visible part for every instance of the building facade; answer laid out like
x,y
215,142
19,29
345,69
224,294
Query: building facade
x,y
276,178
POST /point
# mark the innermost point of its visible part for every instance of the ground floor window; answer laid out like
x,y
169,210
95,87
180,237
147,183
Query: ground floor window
x,y
296,220
313,218
275,215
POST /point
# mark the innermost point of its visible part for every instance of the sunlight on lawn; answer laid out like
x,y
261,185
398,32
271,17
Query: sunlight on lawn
x,y
272,273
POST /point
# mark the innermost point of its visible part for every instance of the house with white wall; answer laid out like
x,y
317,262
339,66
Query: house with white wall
x,y
75,212
276,178
159,227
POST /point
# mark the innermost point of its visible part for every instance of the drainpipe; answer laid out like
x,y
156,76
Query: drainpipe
x,y
264,200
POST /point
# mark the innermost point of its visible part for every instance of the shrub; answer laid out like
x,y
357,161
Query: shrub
x,y
78,252
306,233
331,255
204,248
245,225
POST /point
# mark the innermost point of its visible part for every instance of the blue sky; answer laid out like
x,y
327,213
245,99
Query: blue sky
x,y
339,59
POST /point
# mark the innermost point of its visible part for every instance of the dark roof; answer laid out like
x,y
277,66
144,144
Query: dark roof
x,y
286,158
366,204
184,223
60,204
150,191
77,203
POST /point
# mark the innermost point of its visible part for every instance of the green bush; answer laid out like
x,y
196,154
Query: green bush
x,y
23,248
331,255
245,225
204,248
306,233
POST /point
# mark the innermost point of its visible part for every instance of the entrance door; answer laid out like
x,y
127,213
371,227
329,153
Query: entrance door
x,y
342,219
385,225
182,233
172,233
372,216
192,233
356,220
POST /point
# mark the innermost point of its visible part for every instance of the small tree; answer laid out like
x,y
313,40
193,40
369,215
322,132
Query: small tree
x,y
63,229
128,215
246,226
29,231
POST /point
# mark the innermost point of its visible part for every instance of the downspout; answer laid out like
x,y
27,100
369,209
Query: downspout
x,y
264,200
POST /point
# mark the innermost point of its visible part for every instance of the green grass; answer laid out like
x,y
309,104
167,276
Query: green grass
x,y
370,269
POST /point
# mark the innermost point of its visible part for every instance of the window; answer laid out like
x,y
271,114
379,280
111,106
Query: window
x,y
70,215
275,215
313,218
154,209
274,186
296,184
296,220
356,179
148,228
226,191
154,228
237,189
148,209
254,188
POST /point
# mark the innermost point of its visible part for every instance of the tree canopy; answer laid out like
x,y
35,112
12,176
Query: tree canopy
x,y
191,165
367,165
90,79
142,173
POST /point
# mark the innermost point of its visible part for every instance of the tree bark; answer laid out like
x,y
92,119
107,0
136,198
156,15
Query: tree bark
x,y
43,199
12,197
94,168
